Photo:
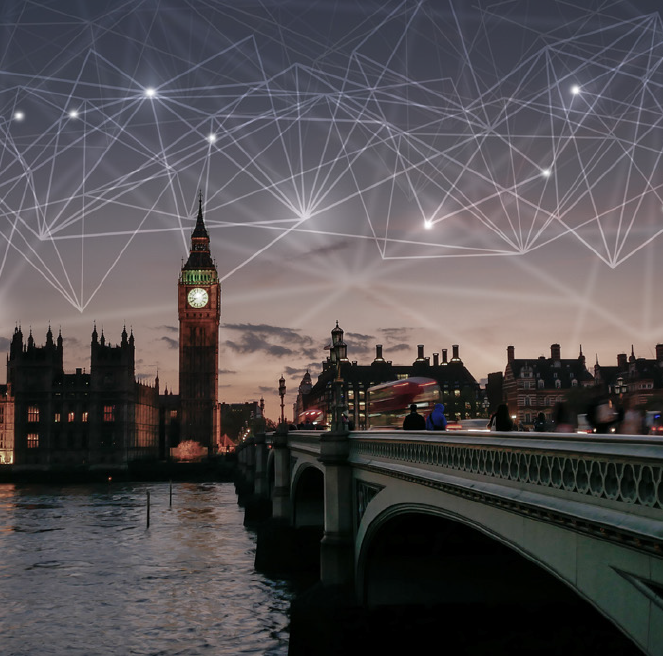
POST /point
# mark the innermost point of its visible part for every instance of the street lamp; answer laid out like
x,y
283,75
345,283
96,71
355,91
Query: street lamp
x,y
338,353
282,395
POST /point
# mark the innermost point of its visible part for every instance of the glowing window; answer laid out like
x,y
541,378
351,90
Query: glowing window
x,y
109,413
33,413
84,416
71,416
33,440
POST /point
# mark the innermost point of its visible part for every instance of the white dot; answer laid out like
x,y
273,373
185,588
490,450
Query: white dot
x,y
19,116
546,173
575,89
150,92
428,224
73,114
211,138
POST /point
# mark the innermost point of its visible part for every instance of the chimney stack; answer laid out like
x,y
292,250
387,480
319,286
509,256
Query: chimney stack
x,y
378,353
444,356
659,352
510,353
622,362
555,352
420,353
436,359
455,352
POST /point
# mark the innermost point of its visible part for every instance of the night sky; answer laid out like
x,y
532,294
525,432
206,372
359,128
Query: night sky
x,y
435,172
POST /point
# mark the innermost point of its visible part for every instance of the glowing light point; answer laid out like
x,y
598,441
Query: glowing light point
x,y
211,138
73,114
575,89
19,116
546,173
428,224
150,92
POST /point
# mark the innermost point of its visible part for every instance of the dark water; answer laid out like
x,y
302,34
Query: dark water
x,y
81,574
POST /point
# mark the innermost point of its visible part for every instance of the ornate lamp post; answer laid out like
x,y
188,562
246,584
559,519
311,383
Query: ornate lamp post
x,y
282,395
338,353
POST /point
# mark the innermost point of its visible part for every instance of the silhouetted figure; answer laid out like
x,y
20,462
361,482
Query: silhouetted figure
x,y
414,421
563,418
501,421
602,414
436,421
540,423
633,422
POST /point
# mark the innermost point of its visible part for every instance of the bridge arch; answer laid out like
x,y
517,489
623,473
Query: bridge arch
x,y
520,559
307,494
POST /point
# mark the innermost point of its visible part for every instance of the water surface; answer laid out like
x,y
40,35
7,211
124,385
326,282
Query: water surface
x,y
81,573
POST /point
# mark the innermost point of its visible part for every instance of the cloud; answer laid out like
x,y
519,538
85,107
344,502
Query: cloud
x,y
275,341
395,334
4,343
266,388
224,372
399,347
168,329
170,343
73,343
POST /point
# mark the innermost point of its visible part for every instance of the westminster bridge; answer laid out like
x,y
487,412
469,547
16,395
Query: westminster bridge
x,y
415,517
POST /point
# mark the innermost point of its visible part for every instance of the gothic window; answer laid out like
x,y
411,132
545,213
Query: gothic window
x,y
71,417
84,416
109,413
33,440
57,418
33,413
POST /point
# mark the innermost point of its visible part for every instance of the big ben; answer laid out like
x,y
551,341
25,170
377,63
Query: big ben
x,y
199,309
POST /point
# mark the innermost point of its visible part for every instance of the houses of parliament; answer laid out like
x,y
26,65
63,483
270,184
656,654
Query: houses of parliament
x,y
106,418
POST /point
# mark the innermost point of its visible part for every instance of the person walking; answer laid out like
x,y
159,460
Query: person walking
x,y
414,421
501,421
436,421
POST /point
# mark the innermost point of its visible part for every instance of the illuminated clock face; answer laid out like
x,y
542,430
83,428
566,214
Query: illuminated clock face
x,y
197,297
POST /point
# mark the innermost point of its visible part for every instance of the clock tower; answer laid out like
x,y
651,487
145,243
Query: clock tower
x,y
199,309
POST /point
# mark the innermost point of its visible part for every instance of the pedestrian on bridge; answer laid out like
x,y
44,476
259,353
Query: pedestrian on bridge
x,y
436,421
414,421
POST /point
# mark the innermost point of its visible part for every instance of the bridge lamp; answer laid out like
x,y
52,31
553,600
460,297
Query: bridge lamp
x,y
282,395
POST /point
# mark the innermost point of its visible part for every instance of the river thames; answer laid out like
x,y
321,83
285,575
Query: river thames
x,y
82,574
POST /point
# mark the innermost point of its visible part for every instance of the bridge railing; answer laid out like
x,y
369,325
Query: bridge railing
x,y
610,484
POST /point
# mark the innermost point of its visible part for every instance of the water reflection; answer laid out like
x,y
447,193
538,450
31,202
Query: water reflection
x,y
81,573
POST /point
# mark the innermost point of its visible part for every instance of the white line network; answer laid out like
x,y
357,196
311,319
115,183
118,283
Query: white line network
x,y
431,133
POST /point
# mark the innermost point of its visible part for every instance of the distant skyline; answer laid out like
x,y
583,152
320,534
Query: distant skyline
x,y
422,172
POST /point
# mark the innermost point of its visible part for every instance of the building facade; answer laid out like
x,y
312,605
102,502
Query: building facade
x,y
104,418
199,311
535,385
459,389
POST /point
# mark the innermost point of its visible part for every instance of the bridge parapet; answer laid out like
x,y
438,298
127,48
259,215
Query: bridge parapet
x,y
606,485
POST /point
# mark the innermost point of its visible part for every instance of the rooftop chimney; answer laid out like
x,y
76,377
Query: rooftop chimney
x,y
436,359
378,353
444,356
510,353
420,353
455,351
659,352
622,362
555,352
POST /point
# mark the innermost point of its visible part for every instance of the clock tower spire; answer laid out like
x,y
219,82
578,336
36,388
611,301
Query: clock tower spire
x,y
199,310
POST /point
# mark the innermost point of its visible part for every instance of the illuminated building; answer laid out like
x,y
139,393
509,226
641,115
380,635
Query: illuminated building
x,y
199,308
536,385
638,378
460,390
6,426
104,418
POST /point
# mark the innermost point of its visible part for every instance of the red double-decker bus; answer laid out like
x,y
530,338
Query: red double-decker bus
x,y
388,403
